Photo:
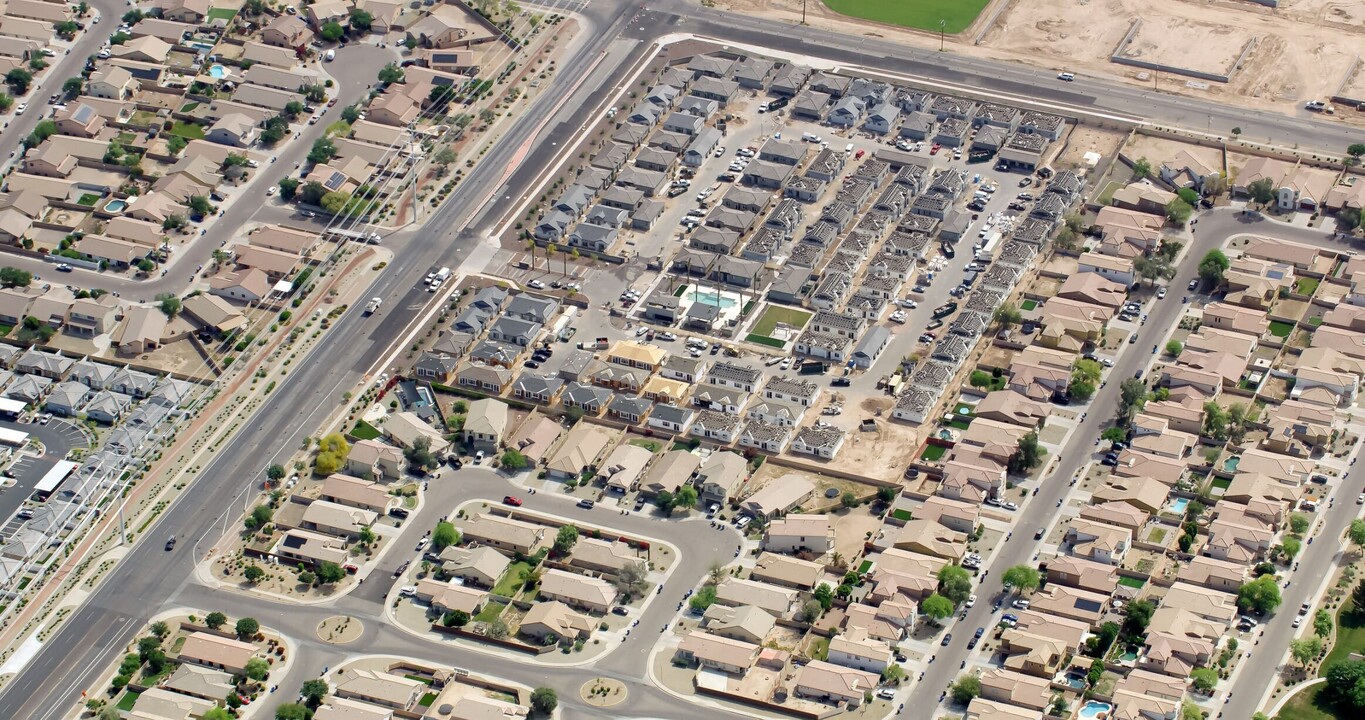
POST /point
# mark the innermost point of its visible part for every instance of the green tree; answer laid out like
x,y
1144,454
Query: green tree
x,y
565,539
1262,191
1114,434
323,149
1205,679
1132,396
1174,348
314,692
275,472
350,114
893,674
201,205
1178,211
1213,266
1298,523
1153,268
361,20
544,700
1081,390
1354,151
332,32
1305,650
289,187
257,669
215,620
685,497
259,517
514,460
212,714
253,574
955,583
1027,455
1290,548
1189,196
1322,623
1086,370
1139,617
293,711
702,598
1215,421
330,573
147,645
18,80
1356,533
175,144
824,595
1142,168
455,618
936,607
665,501
1345,687
445,535
632,579
160,629
1261,595
849,500
445,156
293,109
887,494
14,277
66,29
1008,315
391,73
246,628
419,455
1021,579
966,689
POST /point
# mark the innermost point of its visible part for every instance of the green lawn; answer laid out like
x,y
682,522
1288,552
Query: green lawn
x,y
427,699
88,199
189,131
650,445
222,13
900,514
1281,329
1350,634
818,647
128,700
1222,483
864,566
490,612
1306,285
1135,583
511,580
775,315
765,340
933,453
923,15
1028,305
1303,706
365,431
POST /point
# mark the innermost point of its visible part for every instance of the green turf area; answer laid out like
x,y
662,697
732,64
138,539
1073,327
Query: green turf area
x,y
933,452
1306,285
1028,305
1279,328
650,445
1303,706
189,131
88,199
490,612
427,699
783,315
901,514
955,15
1135,583
511,580
364,430
819,647
222,13
1222,483
128,700
765,340
1350,634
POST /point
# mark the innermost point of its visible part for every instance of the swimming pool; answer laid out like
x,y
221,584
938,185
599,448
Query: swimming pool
x,y
217,71
1179,504
1095,710
1230,465
206,47
115,206
712,297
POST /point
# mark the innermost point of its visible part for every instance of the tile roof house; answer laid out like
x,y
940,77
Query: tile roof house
x,y
827,682
580,591
556,621
507,534
718,653
479,566
800,533
216,652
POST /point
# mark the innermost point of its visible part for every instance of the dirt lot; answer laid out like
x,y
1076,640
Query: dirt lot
x,y
1164,41
1160,149
1304,50
1085,139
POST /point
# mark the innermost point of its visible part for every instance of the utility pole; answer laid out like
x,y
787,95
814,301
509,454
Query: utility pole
x,y
942,29
803,12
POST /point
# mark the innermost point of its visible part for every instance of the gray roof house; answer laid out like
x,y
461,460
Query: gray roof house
x,y
597,238
51,365
472,320
93,375
531,308
133,382
871,346
685,123
722,91
66,398
811,105
537,388
494,352
788,80
590,398
702,147
514,331
490,299
107,407
551,227
28,388
882,118
670,418
629,409
698,106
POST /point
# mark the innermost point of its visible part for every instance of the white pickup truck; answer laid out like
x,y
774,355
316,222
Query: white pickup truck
x,y
373,306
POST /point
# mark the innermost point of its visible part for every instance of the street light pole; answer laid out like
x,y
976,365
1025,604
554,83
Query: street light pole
x,y
942,28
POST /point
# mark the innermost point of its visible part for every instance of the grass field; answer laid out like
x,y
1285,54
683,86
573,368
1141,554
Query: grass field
x,y
775,315
956,15
1350,634
511,580
1303,706
222,13
189,131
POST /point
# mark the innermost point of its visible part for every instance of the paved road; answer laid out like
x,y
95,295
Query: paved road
x,y
354,71
1304,130
58,437
1042,510
104,18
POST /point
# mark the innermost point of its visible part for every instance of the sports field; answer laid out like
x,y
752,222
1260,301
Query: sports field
x,y
956,15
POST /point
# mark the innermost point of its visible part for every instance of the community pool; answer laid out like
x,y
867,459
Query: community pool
x,y
1095,710
712,297
114,206
1179,504
217,71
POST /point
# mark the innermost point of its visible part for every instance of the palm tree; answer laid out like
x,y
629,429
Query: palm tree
x,y
573,253
531,245
549,250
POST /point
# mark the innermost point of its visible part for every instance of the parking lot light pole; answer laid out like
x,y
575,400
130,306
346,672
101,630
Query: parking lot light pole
x,y
942,28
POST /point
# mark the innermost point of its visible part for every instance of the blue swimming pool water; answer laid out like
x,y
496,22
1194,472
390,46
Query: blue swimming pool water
x,y
1179,504
116,206
217,71
1095,709
1230,465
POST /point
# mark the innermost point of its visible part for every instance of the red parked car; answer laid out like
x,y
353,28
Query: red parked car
x,y
934,150
511,500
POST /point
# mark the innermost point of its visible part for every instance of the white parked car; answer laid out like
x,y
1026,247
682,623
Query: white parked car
x,y
536,284
272,190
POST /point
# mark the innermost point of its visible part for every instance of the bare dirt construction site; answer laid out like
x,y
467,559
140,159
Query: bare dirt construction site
x,y
1303,49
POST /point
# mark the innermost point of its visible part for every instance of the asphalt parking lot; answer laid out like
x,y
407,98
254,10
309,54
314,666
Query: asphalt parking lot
x,y
59,437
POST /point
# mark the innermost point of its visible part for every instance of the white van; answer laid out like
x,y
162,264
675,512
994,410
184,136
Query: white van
x,y
848,148
330,56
